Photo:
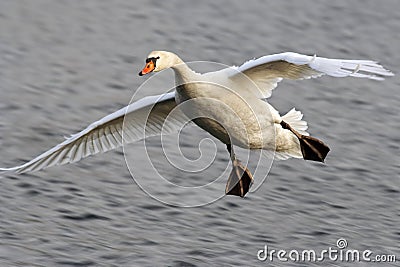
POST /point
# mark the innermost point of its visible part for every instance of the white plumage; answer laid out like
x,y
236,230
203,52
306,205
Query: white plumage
x,y
146,117
109,132
268,71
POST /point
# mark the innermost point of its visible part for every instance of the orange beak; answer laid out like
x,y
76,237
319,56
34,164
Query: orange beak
x,y
150,66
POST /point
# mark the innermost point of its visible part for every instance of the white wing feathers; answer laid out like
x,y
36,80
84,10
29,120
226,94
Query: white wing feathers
x,y
147,117
144,118
267,71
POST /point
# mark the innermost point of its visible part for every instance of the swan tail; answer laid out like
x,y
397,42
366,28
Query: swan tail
x,y
294,119
287,145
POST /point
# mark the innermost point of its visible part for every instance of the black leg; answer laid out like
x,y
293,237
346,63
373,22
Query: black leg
x,y
231,152
311,148
240,179
229,148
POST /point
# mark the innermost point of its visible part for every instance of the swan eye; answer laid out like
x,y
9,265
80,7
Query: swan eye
x,y
152,59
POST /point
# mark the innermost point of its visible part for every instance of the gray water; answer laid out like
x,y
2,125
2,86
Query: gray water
x,y
64,64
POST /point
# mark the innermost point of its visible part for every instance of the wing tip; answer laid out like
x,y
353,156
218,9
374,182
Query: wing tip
x,y
18,169
8,170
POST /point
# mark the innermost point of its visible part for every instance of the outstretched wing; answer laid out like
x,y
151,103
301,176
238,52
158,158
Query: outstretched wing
x,y
267,71
141,119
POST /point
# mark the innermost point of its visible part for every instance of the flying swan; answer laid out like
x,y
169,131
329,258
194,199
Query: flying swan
x,y
230,104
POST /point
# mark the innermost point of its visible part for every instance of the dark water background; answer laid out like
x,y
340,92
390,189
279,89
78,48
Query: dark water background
x,y
64,64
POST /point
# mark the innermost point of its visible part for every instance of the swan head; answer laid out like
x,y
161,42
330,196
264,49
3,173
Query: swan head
x,y
158,61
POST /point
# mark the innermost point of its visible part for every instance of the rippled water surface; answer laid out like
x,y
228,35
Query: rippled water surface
x,y
64,64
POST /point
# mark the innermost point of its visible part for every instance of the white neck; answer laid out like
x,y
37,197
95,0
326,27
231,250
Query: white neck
x,y
184,74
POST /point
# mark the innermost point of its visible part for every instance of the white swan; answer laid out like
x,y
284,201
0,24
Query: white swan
x,y
229,104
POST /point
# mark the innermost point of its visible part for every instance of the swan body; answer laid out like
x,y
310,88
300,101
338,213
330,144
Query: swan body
x,y
216,107
230,104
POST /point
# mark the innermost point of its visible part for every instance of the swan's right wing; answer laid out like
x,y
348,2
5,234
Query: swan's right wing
x,y
143,118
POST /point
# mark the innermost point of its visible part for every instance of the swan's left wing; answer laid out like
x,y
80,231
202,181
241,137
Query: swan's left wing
x,y
267,71
146,117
